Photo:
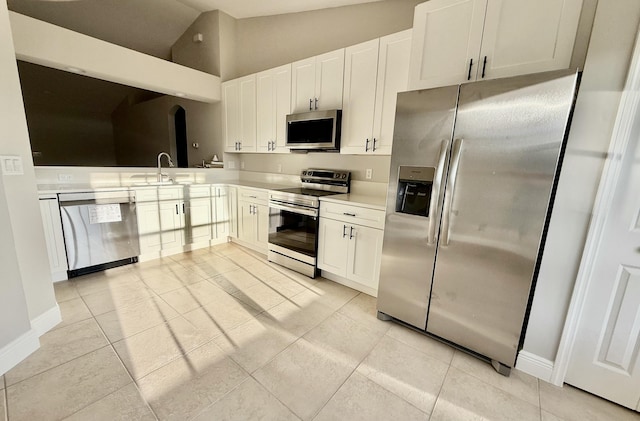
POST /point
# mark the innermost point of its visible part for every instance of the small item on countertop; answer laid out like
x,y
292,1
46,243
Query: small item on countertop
x,y
214,159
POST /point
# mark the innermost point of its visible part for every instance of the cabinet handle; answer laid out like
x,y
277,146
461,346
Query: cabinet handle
x,y
183,208
177,213
366,146
350,233
349,214
374,144
310,103
316,103
484,66
273,145
344,231
269,146
470,65
239,146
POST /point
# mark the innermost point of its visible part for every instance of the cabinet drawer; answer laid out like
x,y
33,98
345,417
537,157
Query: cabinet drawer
x,y
199,191
158,193
253,195
353,214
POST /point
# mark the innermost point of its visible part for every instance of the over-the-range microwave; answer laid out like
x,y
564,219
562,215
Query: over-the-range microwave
x,y
314,131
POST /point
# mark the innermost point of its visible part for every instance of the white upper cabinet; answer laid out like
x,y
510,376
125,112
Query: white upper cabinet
x,y
316,82
455,41
239,114
273,105
375,71
528,36
359,97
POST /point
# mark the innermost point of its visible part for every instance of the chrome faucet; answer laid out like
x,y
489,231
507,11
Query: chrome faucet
x,y
160,155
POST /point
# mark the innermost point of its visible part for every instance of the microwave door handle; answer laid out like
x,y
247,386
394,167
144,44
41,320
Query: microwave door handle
x,y
450,190
435,191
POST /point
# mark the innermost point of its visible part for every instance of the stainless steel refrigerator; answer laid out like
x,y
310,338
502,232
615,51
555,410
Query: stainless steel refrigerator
x,y
472,174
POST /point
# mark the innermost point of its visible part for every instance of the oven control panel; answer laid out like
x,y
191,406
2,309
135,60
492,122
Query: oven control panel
x,y
325,176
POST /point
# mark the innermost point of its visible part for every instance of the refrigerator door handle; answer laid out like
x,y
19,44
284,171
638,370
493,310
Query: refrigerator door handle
x,y
450,190
435,191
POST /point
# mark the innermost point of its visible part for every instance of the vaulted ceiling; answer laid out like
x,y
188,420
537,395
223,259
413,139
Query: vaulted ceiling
x,y
152,26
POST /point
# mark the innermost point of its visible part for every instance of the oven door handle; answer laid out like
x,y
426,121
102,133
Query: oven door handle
x,y
294,209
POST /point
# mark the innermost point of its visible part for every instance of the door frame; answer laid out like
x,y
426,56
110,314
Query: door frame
x,y
627,117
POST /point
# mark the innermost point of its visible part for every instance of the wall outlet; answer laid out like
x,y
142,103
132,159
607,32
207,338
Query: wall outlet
x,y
369,174
242,165
232,165
65,177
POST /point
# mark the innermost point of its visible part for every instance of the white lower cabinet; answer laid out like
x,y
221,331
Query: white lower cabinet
x,y
221,211
54,238
253,218
161,220
350,247
198,215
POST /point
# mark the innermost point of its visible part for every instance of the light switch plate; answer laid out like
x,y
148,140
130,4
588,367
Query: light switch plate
x,y
11,165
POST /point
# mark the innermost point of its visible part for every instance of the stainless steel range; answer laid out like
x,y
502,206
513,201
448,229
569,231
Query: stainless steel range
x,y
293,218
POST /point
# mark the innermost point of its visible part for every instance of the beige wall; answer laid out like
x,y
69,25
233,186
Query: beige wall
x,y
608,59
270,41
19,209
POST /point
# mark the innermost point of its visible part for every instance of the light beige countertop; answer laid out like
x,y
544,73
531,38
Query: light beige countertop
x,y
48,189
365,201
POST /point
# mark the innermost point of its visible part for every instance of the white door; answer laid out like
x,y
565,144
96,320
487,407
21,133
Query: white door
x,y
246,222
523,36
265,111
359,97
50,210
605,359
333,246
393,76
303,85
149,227
365,252
438,60
329,80
262,225
248,113
198,213
171,217
221,211
231,114
282,93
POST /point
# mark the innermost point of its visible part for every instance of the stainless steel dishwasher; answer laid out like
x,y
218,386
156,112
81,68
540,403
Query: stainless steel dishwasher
x,y
100,230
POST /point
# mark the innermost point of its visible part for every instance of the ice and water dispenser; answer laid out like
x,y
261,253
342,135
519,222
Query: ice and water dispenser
x,y
414,190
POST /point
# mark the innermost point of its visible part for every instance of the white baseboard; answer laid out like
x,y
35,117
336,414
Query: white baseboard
x,y
18,350
534,365
46,321
59,276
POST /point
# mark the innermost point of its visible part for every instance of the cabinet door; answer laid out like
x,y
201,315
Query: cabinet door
x,y
303,85
359,97
53,236
329,80
262,225
171,217
522,36
333,246
265,110
221,221
231,114
393,75
149,227
282,84
247,113
198,215
365,252
246,222
446,37
273,105
234,215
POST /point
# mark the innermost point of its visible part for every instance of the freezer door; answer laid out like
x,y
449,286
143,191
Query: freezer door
x,y
421,144
506,148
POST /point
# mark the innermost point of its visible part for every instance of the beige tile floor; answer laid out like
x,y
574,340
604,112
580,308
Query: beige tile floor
x,y
220,334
